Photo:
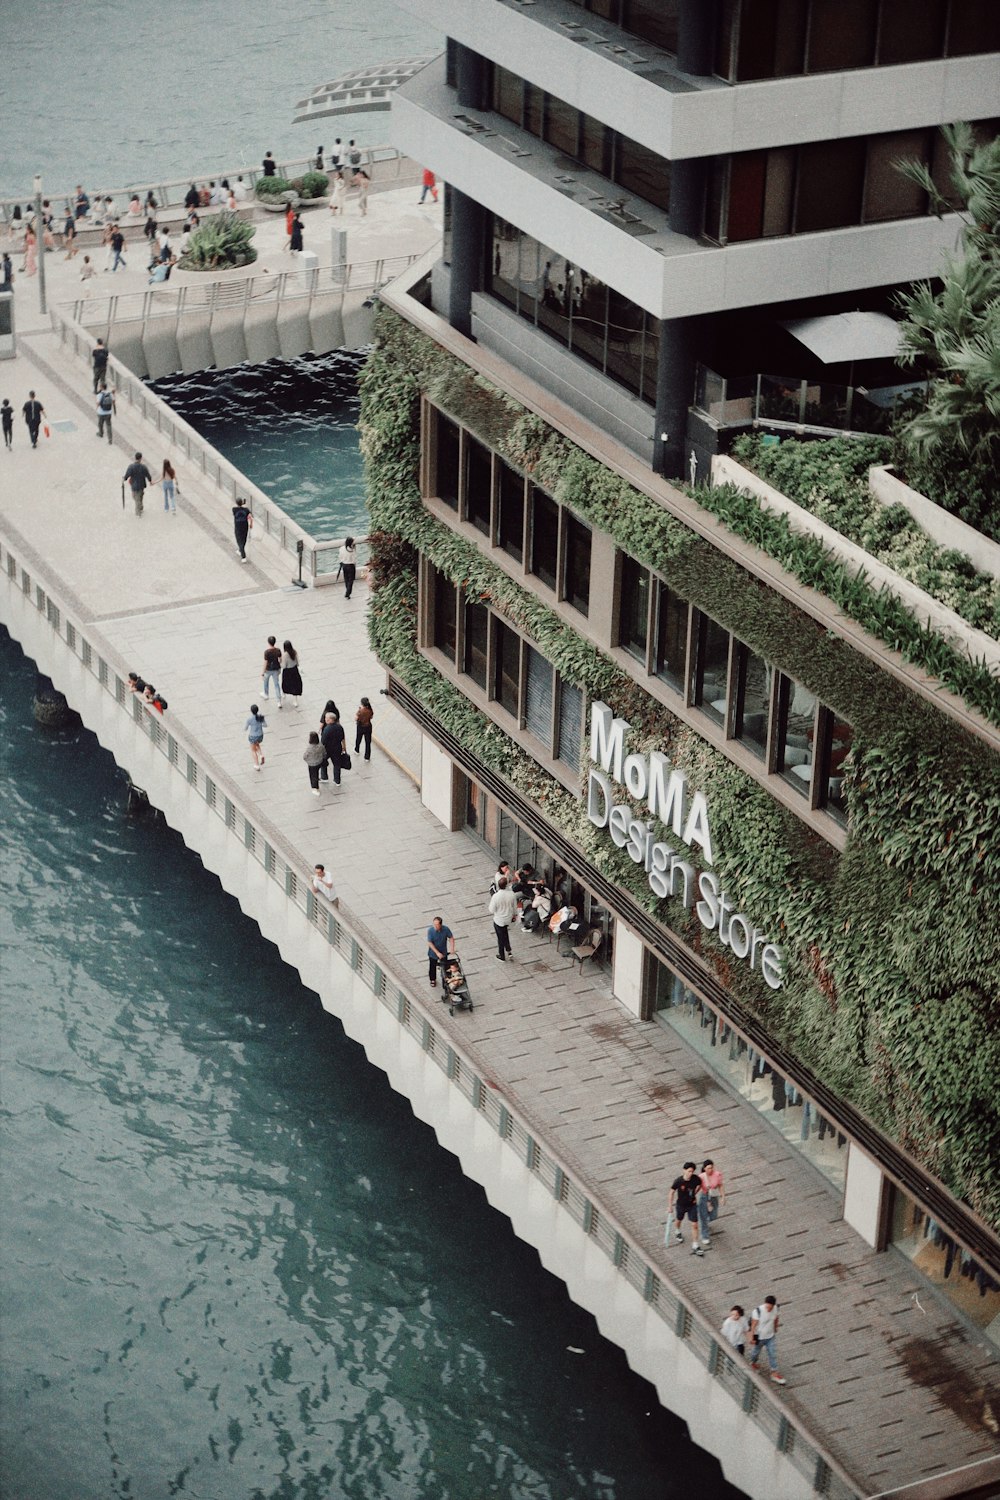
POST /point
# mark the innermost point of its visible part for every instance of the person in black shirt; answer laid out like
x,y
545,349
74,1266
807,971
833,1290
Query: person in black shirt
x,y
33,411
138,477
242,521
7,418
683,1205
269,165
332,740
99,360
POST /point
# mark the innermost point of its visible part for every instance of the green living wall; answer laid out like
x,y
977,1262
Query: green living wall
x,y
893,947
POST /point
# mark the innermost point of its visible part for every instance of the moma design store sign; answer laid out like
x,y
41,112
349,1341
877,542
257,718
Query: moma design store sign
x,y
676,812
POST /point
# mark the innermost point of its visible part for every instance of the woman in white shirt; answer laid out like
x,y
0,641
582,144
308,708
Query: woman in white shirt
x,y
348,564
735,1329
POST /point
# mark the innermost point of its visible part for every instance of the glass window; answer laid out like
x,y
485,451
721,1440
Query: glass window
x,y
633,610
576,564
594,139
841,34
973,27
504,263
838,737
671,637
642,172
506,666
478,484
753,700
508,92
531,259
711,684
445,483
562,125
653,20
570,730
544,537
771,39
538,695
888,194
476,625
911,33
831,176
747,184
447,224
445,615
938,1258
752,1077
510,515
779,191
534,109
797,740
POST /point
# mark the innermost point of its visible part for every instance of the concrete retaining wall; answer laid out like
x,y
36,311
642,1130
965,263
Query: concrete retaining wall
x,y
945,528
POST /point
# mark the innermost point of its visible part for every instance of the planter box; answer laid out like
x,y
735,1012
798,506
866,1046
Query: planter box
x,y
945,528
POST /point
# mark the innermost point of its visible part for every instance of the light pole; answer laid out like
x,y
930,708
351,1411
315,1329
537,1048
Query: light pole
x,y
40,243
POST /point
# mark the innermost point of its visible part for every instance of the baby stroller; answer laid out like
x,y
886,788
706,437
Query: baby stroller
x,y
454,988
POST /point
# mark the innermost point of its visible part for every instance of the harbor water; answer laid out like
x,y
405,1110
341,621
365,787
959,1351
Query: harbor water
x,y
234,1263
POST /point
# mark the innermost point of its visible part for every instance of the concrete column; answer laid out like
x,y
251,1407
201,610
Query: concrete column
x,y
867,1195
441,784
687,195
628,966
674,391
472,78
696,24
468,258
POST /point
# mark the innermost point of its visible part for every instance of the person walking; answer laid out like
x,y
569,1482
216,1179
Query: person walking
x,y
33,411
272,669
315,758
291,677
440,942
99,361
242,523
333,739
363,728
295,238
255,726
710,1199
764,1321
168,483
736,1329
6,272
138,477
339,193
503,910
105,410
117,246
362,182
29,264
7,419
322,884
337,155
429,185
69,235
683,1204
348,565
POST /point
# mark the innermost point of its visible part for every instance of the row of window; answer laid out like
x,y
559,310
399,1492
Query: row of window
x,y
775,718
784,38
580,136
825,184
522,520
511,672
597,323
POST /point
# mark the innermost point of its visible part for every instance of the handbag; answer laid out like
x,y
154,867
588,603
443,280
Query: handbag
x,y
346,764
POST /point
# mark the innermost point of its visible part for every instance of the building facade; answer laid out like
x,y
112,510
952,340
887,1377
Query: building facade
x,y
777,821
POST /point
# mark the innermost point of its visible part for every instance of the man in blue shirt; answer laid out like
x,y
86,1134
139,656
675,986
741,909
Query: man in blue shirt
x,y
440,941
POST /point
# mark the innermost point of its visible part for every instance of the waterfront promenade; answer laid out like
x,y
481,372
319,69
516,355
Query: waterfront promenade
x,y
879,1371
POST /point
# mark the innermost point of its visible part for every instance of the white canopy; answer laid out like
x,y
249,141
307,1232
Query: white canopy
x,y
840,337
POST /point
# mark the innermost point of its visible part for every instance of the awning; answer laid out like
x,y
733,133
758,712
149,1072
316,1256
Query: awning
x,y
838,338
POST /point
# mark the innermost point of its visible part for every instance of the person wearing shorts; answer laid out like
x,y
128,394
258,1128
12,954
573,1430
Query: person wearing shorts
x,y
683,1205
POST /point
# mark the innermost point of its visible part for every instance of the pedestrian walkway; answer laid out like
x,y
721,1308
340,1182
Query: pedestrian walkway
x,y
879,1370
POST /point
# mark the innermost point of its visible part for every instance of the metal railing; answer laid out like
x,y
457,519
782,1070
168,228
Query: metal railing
x,y
788,403
386,166
319,558
239,295
367,957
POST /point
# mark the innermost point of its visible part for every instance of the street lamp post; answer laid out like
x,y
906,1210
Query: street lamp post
x,y
40,242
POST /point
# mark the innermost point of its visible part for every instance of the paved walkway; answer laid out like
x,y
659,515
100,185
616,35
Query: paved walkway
x,y
879,1368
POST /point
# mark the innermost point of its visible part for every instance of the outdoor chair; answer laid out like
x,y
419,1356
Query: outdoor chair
x,y
590,947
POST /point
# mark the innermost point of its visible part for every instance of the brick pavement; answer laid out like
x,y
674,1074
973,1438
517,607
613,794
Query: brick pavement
x,y
879,1368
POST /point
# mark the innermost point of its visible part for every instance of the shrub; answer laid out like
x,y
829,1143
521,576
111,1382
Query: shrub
x,y
218,243
311,184
273,187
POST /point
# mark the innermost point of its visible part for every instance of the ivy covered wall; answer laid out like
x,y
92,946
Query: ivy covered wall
x,y
892,949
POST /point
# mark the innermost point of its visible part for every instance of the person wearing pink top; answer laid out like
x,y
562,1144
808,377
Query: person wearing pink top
x,y
713,1195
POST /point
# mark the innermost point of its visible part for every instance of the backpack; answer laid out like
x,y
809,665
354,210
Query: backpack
x,y
105,401
355,158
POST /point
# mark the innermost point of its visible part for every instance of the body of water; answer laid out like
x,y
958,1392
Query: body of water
x,y
235,1266
115,92
289,425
